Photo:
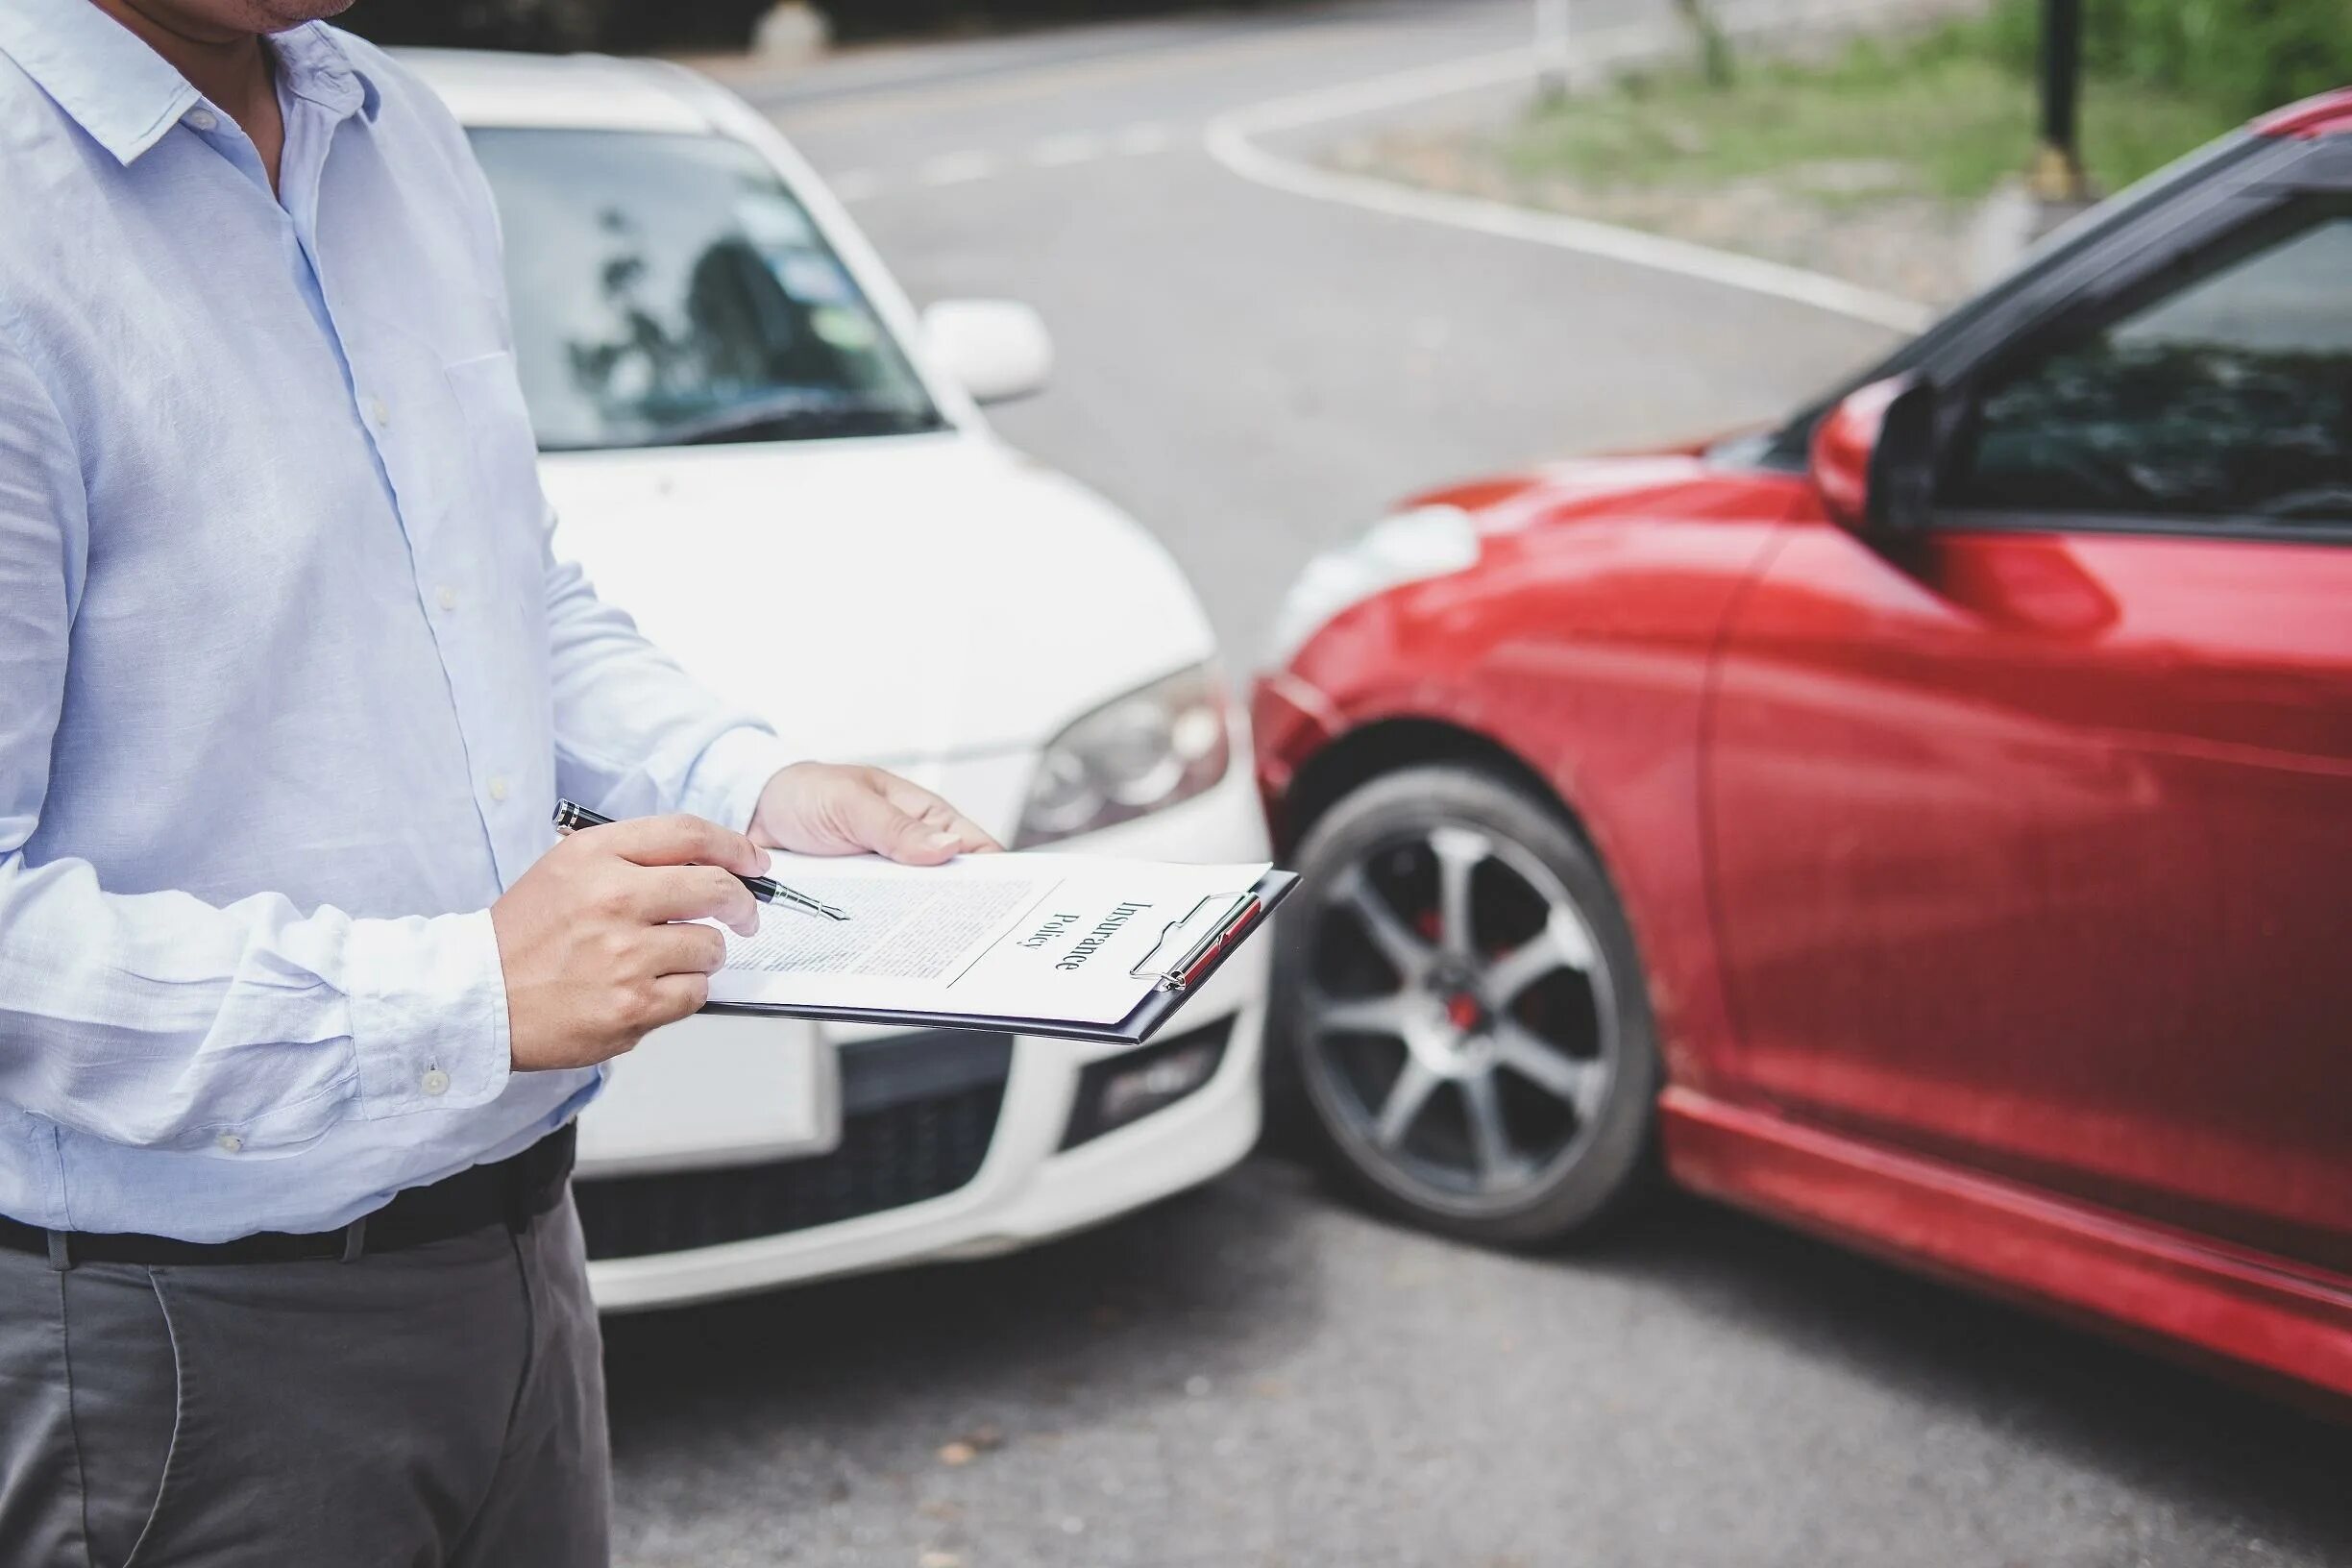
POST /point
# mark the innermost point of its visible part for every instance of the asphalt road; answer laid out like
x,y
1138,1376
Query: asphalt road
x,y
1257,1374
1251,374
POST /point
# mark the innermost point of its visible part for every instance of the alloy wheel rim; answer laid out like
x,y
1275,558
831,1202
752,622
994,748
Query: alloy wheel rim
x,y
1475,1074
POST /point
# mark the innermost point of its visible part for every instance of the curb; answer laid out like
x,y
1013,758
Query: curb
x,y
1231,138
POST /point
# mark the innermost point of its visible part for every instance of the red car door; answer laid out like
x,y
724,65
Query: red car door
x,y
2031,833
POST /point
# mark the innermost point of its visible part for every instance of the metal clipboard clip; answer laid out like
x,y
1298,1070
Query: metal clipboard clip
x,y
1217,923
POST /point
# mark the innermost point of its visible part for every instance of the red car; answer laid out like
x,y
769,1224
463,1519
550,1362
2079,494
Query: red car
x,y
1929,822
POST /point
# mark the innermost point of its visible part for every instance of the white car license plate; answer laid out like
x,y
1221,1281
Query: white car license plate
x,y
717,1090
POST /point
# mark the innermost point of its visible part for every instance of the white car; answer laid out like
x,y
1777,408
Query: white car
x,y
759,450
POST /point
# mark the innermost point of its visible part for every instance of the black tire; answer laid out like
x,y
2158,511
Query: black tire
x,y
1540,1162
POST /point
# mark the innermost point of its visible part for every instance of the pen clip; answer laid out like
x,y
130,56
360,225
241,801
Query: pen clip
x,y
1229,914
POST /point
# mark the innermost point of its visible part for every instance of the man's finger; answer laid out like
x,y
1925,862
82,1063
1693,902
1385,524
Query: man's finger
x,y
935,813
688,949
945,818
695,893
880,824
677,996
684,841
970,837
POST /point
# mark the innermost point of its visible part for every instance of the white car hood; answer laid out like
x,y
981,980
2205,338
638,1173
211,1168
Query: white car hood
x,y
881,599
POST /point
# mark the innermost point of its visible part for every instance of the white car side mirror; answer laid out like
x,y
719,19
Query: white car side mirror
x,y
997,350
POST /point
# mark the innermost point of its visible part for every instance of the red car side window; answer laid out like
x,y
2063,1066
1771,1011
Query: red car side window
x,y
2227,395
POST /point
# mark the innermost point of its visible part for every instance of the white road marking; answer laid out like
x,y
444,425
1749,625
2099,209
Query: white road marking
x,y
1230,140
958,168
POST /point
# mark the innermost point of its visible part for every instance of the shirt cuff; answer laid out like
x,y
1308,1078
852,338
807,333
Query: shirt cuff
x,y
727,781
428,1013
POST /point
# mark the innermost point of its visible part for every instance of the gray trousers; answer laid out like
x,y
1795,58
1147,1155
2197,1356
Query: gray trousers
x,y
438,1406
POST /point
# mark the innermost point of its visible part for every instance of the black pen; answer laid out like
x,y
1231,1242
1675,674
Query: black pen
x,y
569,817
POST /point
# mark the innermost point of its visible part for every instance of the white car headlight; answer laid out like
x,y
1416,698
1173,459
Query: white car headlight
x,y
1426,542
1131,756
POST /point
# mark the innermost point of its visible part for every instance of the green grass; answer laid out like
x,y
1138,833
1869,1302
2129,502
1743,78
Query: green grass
x,y
1935,117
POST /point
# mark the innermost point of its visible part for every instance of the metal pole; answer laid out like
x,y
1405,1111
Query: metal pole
x,y
2057,172
1551,45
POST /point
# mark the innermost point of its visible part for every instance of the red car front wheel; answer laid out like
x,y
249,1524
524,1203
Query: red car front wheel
x,y
1459,986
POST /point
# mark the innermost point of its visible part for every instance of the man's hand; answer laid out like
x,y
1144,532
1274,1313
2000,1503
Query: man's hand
x,y
592,960
824,808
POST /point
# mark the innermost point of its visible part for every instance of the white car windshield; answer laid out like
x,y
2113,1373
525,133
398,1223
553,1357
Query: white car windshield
x,y
670,290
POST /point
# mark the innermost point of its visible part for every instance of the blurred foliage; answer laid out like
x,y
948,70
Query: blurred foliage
x,y
1715,58
1949,111
2247,54
486,24
712,24
2244,55
874,18
1939,115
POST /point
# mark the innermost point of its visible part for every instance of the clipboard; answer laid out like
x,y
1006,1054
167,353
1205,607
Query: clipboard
x,y
1189,952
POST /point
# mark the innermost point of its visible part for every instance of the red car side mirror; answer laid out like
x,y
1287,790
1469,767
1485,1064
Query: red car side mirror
x,y
1843,444
1869,458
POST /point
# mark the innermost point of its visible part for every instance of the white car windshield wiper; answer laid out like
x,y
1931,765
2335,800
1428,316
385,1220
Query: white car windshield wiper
x,y
788,416
796,416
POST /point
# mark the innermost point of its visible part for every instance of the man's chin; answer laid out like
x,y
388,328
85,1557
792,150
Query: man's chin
x,y
285,14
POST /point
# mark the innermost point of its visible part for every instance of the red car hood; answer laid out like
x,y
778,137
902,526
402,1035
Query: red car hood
x,y
1562,491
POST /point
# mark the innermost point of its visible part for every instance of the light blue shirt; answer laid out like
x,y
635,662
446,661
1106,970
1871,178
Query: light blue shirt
x,y
289,678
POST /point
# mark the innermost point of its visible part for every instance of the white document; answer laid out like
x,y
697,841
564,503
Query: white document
x,y
1015,935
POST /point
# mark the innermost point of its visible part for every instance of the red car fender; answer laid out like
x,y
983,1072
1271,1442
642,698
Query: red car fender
x,y
1580,647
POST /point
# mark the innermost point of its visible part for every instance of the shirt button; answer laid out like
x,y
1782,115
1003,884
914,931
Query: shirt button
x,y
202,119
229,1143
434,1082
497,787
377,411
446,596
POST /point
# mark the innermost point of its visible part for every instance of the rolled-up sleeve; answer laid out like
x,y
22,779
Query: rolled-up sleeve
x,y
157,1019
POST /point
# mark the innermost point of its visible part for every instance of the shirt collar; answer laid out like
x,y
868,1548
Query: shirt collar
x,y
126,95
313,64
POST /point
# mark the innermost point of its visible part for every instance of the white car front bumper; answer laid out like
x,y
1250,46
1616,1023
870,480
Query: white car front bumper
x,y
1026,1187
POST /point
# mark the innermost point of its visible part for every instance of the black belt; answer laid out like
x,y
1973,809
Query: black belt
x,y
512,1192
